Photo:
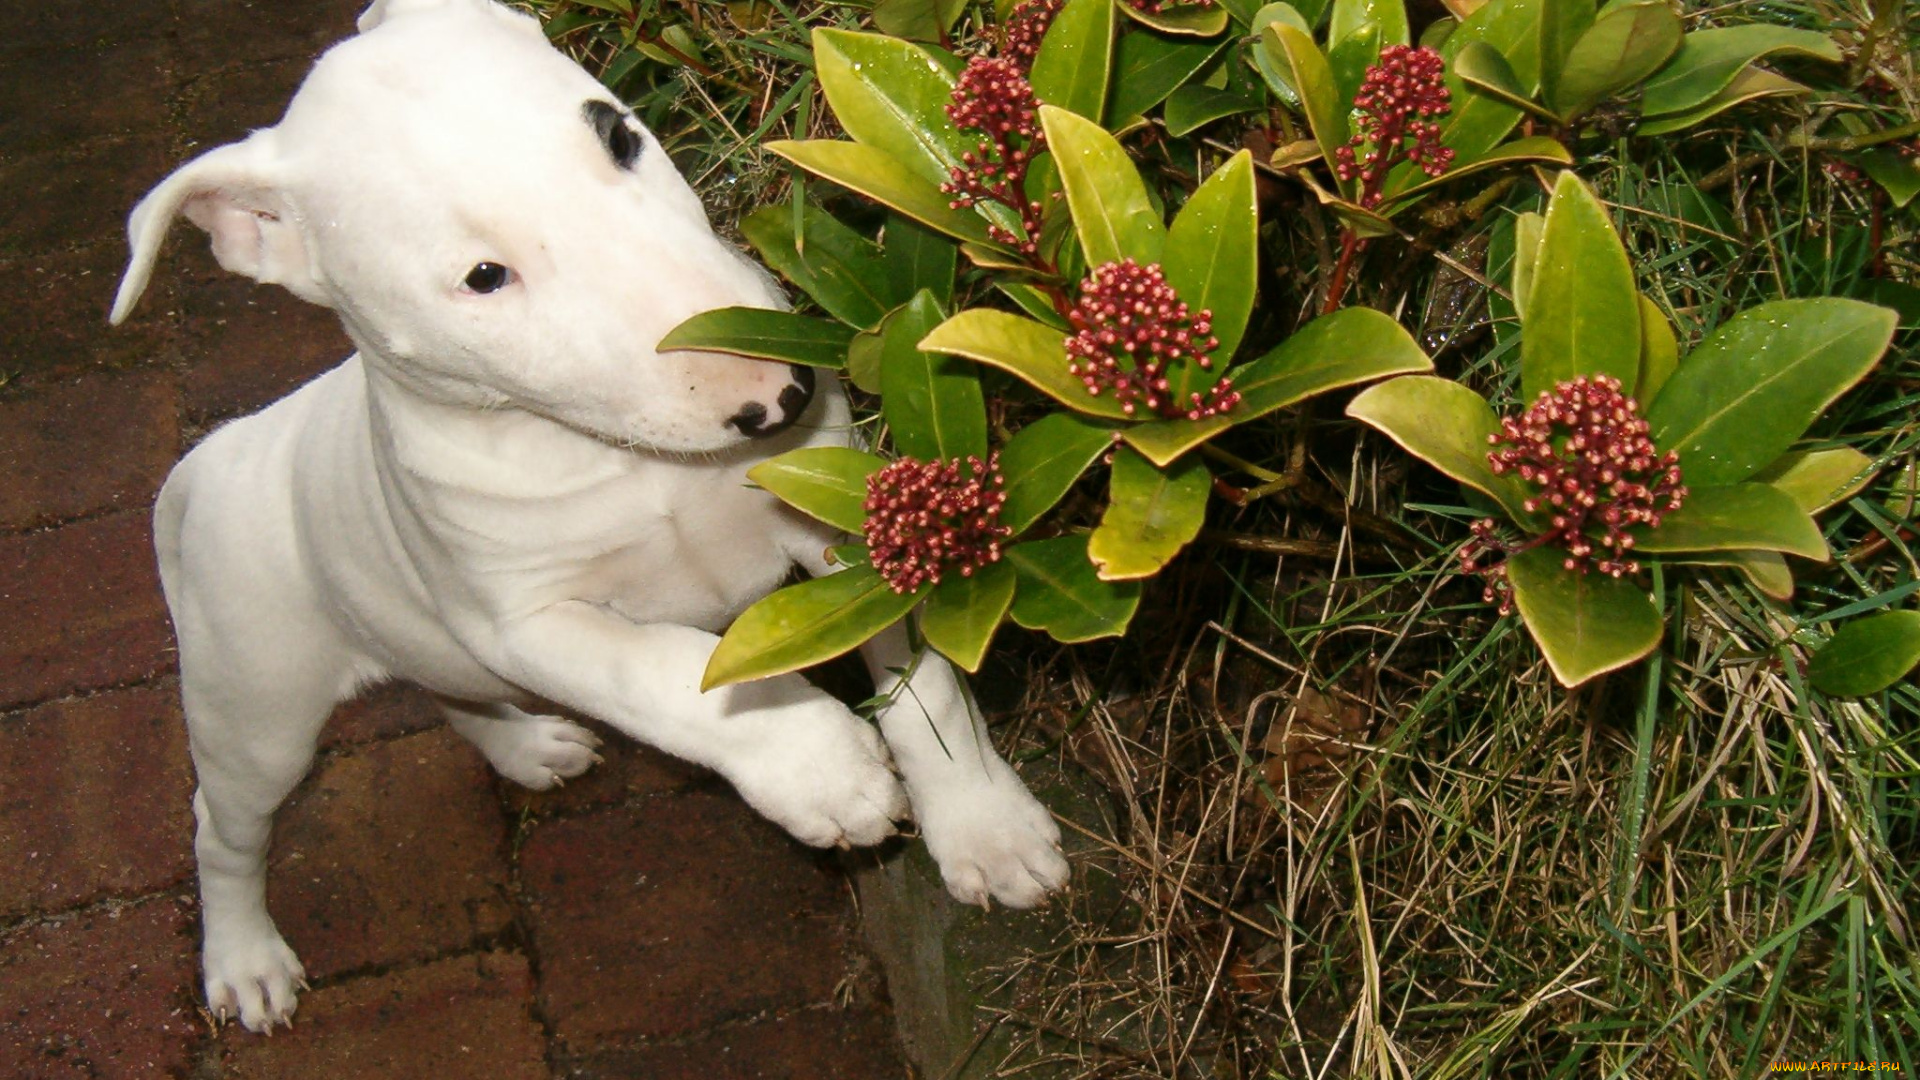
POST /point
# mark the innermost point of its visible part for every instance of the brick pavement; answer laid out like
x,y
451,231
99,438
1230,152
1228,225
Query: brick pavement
x,y
639,923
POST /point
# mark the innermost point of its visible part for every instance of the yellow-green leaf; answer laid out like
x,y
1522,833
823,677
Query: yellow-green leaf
x,y
1059,592
1112,213
1151,514
806,624
1585,624
1031,350
1758,381
963,611
1582,315
828,483
1445,425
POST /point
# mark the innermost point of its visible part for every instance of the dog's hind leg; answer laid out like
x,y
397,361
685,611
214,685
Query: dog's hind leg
x,y
536,752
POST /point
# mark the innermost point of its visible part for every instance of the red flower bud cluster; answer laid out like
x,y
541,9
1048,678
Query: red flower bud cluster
x,y
994,99
1129,325
925,519
1395,103
1584,446
1155,7
1024,27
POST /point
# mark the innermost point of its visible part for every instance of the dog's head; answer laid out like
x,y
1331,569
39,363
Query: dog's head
x,y
493,228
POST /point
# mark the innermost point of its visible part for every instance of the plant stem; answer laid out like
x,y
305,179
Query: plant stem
x,y
1350,244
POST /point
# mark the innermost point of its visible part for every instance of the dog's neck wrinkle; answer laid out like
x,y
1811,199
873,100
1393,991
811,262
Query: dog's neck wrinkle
x,y
501,452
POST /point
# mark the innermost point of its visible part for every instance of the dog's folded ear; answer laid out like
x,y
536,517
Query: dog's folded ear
x,y
236,194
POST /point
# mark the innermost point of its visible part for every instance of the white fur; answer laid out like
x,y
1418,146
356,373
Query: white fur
x,y
509,497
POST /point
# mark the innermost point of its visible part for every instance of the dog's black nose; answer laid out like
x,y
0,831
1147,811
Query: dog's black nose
x,y
752,418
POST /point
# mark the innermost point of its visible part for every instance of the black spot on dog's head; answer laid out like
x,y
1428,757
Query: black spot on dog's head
x,y
609,122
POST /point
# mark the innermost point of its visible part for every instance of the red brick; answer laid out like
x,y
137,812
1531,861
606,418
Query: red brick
x,y
100,997
675,913
391,853
225,106
80,608
57,97
816,1044
36,22
95,798
64,199
56,324
103,442
225,33
466,1016
249,345
383,713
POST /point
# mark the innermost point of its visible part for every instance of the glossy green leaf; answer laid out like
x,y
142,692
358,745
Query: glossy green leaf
x,y
962,612
880,177
1527,228
1042,461
932,403
1659,351
1818,479
915,257
1758,381
1482,67
1389,17
1185,20
1867,655
1478,123
1112,213
1709,59
1076,58
1751,84
1348,347
1033,300
766,334
1736,517
1151,514
1034,351
1562,22
863,359
1269,60
1148,67
1349,57
891,95
1193,107
1445,425
1531,148
1059,592
1766,571
1895,170
805,624
1311,78
917,20
1585,624
828,483
1625,44
1211,259
1582,315
837,267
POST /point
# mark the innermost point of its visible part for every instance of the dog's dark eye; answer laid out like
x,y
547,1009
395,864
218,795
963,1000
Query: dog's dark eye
x,y
488,277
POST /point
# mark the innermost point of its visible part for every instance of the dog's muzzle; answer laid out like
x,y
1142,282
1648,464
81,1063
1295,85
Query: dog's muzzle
x,y
752,418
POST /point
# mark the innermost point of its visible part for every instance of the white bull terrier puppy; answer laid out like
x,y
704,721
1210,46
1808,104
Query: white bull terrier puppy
x,y
507,495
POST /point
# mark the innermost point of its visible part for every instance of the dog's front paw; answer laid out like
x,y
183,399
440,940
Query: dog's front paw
x,y
255,977
993,840
823,776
